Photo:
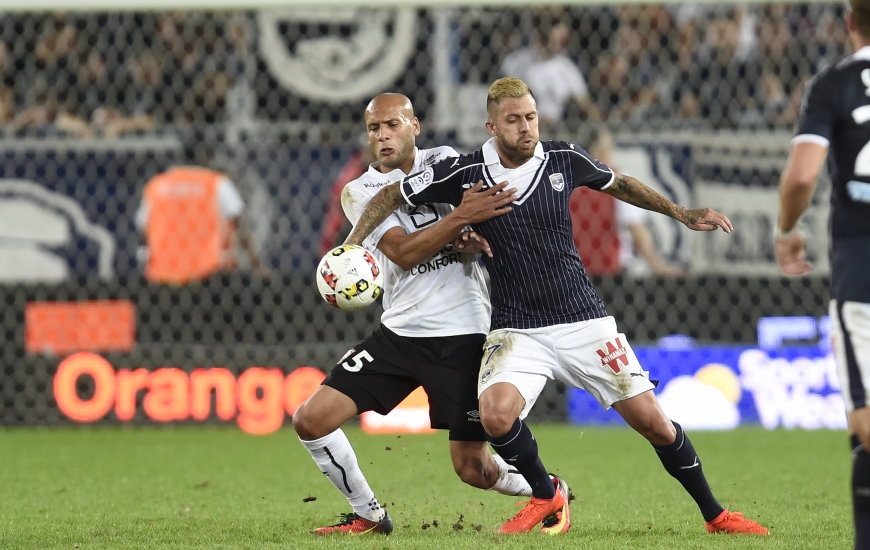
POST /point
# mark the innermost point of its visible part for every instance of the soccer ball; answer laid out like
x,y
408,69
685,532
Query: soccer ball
x,y
349,277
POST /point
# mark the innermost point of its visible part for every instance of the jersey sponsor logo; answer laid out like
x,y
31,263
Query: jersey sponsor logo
x,y
376,184
612,354
421,181
859,191
436,264
432,160
557,181
358,361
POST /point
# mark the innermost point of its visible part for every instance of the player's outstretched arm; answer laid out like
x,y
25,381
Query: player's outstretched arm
x,y
632,191
478,204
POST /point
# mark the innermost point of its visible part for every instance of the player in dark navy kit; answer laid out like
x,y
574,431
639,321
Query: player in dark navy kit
x,y
835,121
547,320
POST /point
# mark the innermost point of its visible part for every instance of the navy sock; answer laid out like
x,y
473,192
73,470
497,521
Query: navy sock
x,y
861,494
519,448
681,461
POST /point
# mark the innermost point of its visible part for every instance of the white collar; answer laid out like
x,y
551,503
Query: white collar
x,y
863,54
417,166
490,155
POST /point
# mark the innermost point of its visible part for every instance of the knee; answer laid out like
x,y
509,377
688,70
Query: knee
x,y
307,425
497,421
658,430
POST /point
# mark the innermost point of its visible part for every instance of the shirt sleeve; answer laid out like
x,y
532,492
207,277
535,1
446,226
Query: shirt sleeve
x,y
142,215
443,182
588,171
231,203
816,121
354,199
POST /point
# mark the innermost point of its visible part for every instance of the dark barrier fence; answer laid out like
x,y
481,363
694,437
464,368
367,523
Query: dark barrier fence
x,y
235,322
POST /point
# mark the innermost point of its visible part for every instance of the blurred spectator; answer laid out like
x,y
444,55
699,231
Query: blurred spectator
x,y
191,220
557,79
610,234
335,225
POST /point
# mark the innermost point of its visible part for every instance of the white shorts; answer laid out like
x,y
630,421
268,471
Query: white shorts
x,y
850,338
590,355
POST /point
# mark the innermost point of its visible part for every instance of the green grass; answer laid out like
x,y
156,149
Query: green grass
x,y
194,487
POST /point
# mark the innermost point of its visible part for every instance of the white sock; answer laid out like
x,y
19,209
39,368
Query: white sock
x,y
510,482
336,459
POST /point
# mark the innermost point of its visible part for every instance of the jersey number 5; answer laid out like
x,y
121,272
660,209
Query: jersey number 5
x,y
358,360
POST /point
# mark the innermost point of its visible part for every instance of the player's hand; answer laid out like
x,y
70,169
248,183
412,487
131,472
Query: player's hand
x,y
472,243
706,219
791,252
479,204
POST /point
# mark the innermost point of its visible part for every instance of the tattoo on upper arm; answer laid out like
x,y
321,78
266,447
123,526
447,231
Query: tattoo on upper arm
x,y
376,211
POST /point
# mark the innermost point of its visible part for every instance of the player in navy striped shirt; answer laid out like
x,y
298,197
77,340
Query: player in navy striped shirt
x,y
547,320
835,123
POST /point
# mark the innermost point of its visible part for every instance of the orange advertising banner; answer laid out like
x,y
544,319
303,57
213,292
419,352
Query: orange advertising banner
x,y
410,416
65,327
258,399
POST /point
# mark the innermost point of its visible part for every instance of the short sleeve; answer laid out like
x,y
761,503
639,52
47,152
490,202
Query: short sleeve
x,y
231,203
816,121
142,214
354,199
440,183
588,171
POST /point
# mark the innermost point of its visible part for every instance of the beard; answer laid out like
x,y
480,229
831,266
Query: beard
x,y
516,154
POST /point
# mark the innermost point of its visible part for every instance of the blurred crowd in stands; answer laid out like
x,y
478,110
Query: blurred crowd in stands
x,y
90,74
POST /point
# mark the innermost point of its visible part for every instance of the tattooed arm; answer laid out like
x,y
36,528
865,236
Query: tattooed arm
x,y
632,191
376,211
477,205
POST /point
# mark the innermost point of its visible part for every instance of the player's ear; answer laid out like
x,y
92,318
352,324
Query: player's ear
x,y
850,23
415,123
490,127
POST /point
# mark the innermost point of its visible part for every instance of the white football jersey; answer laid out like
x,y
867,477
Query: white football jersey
x,y
444,295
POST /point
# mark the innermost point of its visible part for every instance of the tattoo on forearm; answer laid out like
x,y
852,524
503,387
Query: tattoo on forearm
x,y
376,211
634,192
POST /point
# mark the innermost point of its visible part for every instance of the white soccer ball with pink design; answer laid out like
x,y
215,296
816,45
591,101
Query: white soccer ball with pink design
x,y
349,277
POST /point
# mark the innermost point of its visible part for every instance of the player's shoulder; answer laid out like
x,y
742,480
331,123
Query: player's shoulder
x,y
437,154
458,161
368,183
554,146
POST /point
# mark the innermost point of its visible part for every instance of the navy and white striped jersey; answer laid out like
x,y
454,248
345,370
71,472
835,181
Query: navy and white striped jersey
x,y
835,113
537,276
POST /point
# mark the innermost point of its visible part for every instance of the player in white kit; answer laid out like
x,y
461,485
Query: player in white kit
x,y
436,316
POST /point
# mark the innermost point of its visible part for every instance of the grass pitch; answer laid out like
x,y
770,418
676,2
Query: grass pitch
x,y
195,487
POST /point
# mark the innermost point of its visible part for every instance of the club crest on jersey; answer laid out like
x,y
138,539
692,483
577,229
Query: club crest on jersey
x,y
484,376
612,354
421,181
557,181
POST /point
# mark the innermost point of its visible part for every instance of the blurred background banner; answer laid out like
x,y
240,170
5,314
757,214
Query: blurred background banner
x,y
96,105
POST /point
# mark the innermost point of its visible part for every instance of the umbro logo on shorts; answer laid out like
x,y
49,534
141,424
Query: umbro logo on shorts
x,y
612,354
473,416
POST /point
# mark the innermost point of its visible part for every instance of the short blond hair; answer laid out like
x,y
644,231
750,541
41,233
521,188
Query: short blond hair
x,y
503,88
